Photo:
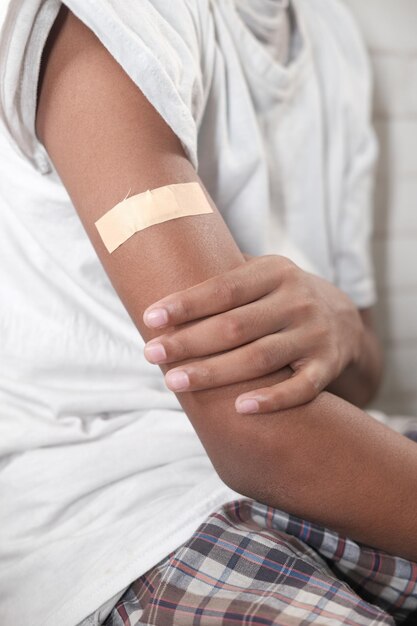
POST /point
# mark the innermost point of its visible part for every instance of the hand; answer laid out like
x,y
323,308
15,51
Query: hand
x,y
262,316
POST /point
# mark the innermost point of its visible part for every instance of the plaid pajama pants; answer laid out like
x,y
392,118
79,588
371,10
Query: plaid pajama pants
x,y
252,564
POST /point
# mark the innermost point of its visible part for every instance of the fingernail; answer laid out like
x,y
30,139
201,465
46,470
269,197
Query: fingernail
x,y
177,381
155,352
156,318
247,406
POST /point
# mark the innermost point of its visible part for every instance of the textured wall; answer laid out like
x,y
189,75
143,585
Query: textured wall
x,y
390,31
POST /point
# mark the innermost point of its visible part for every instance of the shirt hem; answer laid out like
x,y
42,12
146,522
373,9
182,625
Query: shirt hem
x,y
79,606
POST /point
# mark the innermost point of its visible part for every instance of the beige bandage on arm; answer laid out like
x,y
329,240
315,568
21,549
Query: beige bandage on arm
x,y
151,207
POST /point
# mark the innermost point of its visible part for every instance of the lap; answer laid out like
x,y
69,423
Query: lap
x,y
251,564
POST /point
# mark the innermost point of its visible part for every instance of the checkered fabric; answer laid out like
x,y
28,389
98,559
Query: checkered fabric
x,y
251,564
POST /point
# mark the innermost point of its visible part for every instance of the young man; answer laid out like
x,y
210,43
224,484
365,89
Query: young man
x,y
104,474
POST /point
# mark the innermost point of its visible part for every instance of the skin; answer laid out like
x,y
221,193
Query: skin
x,y
327,460
258,318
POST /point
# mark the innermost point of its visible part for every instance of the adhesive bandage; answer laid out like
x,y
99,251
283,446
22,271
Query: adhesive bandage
x,y
151,207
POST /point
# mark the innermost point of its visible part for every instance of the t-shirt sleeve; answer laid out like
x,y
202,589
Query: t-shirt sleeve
x,y
155,41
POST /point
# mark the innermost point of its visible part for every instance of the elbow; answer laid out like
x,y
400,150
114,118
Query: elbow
x,y
267,457
261,464
282,458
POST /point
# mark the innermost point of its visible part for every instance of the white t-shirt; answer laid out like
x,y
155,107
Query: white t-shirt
x,y
101,474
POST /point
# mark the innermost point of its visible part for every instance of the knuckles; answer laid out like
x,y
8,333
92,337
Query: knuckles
x,y
184,309
304,306
205,377
233,330
177,347
263,358
286,268
227,292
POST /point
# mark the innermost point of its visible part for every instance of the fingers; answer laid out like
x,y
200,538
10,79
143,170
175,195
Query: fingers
x,y
246,283
220,332
302,387
256,359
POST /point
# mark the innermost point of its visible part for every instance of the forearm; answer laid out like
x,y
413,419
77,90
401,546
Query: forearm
x,y
360,381
326,461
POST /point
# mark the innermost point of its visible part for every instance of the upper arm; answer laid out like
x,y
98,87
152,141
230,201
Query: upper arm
x,y
107,141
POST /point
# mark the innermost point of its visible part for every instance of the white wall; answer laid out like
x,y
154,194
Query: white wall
x,y
390,31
